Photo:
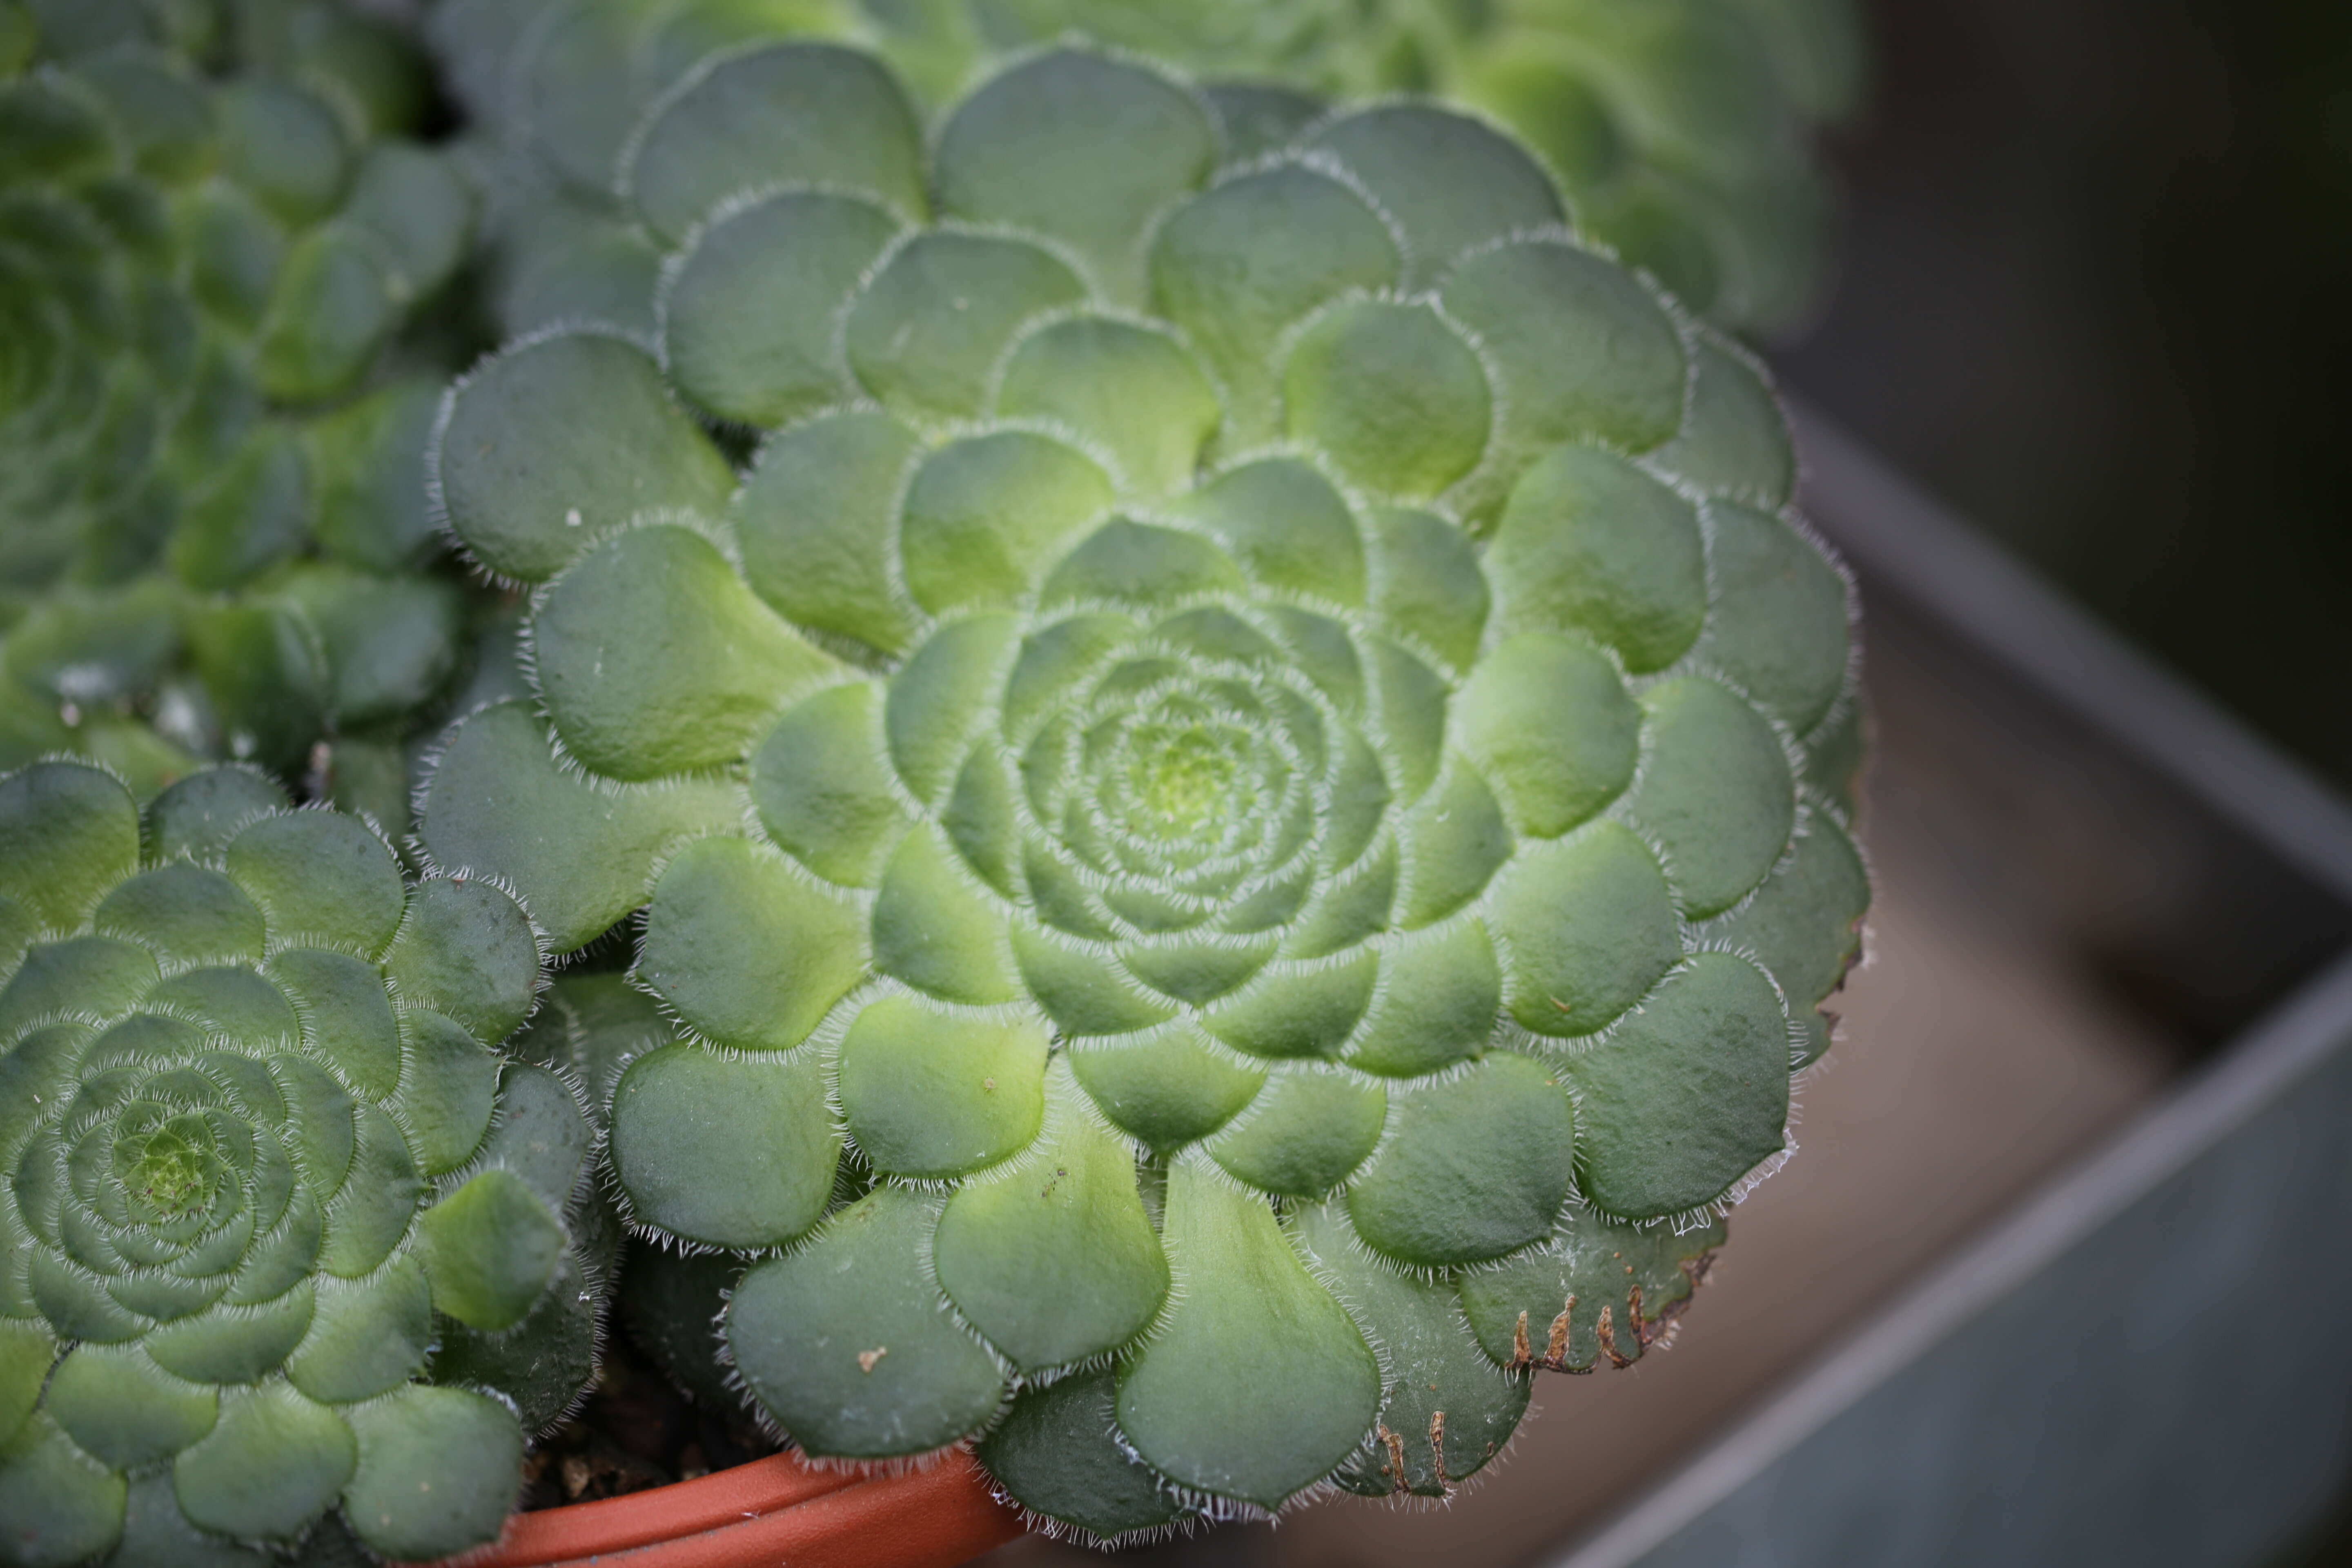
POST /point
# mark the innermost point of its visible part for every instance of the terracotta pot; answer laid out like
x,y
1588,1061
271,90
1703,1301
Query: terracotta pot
x,y
772,1512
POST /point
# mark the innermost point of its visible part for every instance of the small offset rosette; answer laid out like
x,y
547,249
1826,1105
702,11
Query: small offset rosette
x,y
287,1244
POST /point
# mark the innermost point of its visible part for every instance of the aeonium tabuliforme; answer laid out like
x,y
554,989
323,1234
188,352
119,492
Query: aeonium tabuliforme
x,y
1237,770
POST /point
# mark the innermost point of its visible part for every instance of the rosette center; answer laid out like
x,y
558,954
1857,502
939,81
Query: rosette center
x,y
170,1170
1185,782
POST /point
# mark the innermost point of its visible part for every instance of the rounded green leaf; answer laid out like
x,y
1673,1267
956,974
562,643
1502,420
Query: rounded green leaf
x,y
30,1349
439,1470
1450,182
821,782
1429,586
582,857
92,973
793,113
750,953
843,1342
1243,262
816,521
1734,439
284,143
1391,393
1134,391
1139,565
1473,1166
1550,723
1287,526
1058,1452
544,447
338,298
1199,1400
448,1084
348,1019
1580,350
1082,987
62,1506
233,1341
1686,1096
1439,999
747,312
928,334
1804,925
378,1202
940,700
1451,843
366,1336
414,201
1448,1409
490,1247
1079,147
1054,1259
124,1409
321,874
1596,1288
1587,926
985,516
939,930
184,914
68,833
723,1151
1298,1010
1304,1133
1717,792
196,817
1166,1087
1590,543
467,950
927,1093
273,1463
1779,626
653,658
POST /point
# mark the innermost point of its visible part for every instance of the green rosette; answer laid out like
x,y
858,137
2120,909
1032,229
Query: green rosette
x,y
1234,765
1682,132
213,527
291,1253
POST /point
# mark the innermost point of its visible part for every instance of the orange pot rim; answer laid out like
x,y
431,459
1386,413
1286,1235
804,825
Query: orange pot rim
x,y
774,1510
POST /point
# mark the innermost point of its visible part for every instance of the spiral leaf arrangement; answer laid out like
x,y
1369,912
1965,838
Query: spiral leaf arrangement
x,y
1682,131
210,518
278,1234
1242,804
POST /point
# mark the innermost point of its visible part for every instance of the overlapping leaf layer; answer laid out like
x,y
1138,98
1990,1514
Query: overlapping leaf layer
x,y
1234,764
211,514
1682,131
280,1233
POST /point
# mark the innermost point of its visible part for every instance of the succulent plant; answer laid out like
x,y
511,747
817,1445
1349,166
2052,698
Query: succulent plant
x,y
211,511
1682,131
279,1232
1242,806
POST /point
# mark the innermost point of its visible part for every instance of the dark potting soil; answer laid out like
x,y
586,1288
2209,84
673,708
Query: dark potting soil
x,y
635,1430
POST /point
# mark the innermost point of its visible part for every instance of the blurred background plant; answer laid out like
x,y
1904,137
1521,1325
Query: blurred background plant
x,y
227,263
